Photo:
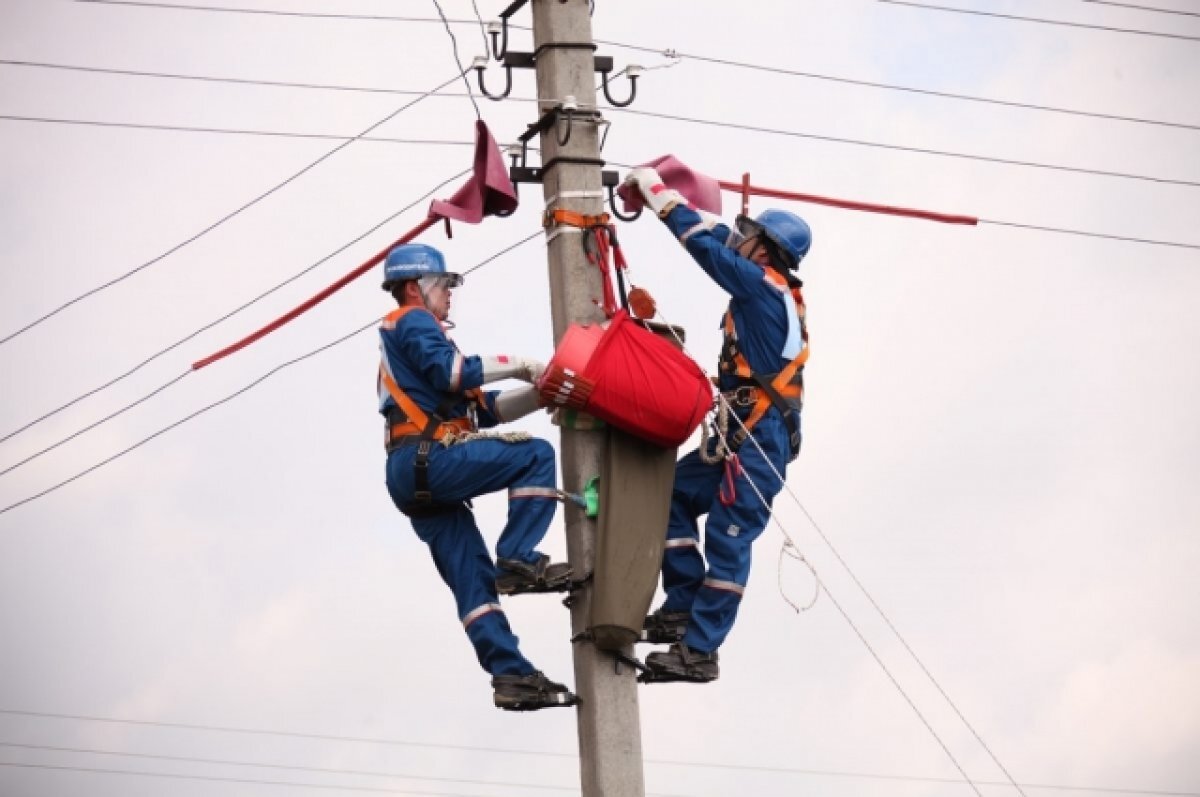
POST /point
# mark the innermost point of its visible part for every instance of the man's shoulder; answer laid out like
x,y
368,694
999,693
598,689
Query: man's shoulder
x,y
409,317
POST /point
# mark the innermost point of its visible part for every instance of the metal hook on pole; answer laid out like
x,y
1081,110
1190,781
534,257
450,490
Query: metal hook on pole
x,y
612,206
632,72
479,65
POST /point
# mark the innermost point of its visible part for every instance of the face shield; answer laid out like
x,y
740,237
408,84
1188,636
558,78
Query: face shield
x,y
445,281
781,259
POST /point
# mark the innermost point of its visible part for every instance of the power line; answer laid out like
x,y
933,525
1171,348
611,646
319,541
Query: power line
x,y
224,218
272,12
901,148
233,131
1089,234
454,45
649,114
209,326
637,48
221,401
242,781
898,87
1063,23
261,765
551,754
1144,8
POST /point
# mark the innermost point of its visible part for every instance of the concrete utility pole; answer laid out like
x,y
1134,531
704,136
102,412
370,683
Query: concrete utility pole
x,y
610,741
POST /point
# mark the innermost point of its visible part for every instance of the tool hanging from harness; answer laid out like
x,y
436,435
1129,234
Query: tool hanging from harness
x,y
783,389
407,424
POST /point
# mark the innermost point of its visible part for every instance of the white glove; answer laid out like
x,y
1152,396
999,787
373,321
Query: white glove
x,y
658,197
514,404
505,367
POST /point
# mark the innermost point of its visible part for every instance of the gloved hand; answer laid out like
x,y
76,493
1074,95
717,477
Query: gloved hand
x,y
658,197
505,367
514,404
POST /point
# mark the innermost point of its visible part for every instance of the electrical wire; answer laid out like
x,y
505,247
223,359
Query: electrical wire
x,y
237,131
901,148
261,765
224,218
709,59
205,328
271,12
454,44
242,781
1082,233
551,754
820,582
1144,8
634,112
1060,22
219,402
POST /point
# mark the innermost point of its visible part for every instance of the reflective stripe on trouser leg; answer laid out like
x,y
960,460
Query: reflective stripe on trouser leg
x,y
462,560
683,566
533,500
728,536
478,467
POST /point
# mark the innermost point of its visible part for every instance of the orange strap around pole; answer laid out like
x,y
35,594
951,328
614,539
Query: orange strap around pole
x,y
744,188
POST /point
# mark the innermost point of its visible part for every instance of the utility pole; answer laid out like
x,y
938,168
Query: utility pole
x,y
610,740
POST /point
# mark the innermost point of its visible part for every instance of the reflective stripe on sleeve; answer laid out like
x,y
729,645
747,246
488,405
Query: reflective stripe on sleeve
x,y
695,228
724,586
480,611
456,373
533,492
682,542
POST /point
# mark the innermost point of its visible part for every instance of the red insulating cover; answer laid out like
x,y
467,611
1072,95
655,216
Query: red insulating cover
x,y
645,386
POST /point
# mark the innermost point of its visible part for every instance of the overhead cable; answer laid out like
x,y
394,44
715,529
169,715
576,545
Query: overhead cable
x,y
206,327
563,755
457,60
649,114
241,781
260,765
227,216
221,401
902,148
929,7
821,585
690,56
1145,8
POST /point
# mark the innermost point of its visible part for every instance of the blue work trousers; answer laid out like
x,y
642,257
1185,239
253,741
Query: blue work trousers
x,y
713,592
456,474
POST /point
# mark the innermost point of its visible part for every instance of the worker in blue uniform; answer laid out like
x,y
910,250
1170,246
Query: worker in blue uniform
x,y
430,397
761,383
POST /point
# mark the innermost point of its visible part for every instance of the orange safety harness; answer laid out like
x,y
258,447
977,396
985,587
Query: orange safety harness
x,y
783,389
408,424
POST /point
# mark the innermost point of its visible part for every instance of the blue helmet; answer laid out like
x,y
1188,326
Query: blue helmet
x,y
789,234
413,261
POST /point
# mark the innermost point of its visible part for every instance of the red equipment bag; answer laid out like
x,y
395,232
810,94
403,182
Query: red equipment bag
x,y
633,379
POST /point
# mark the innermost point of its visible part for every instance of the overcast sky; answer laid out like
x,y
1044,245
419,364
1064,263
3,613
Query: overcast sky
x,y
1001,434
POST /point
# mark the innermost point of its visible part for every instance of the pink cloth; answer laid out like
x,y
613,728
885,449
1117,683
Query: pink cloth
x,y
488,190
701,190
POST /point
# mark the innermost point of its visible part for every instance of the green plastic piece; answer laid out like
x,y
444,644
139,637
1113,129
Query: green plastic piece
x,y
591,496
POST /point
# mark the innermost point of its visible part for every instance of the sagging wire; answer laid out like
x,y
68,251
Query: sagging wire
x,y
209,326
374,322
821,585
226,217
454,45
674,60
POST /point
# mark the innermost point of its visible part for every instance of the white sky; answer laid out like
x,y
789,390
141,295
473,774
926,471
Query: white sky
x,y
1000,435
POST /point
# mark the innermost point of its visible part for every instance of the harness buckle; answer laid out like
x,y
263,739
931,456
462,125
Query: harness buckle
x,y
744,396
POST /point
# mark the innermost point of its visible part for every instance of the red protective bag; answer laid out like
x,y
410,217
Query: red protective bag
x,y
634,380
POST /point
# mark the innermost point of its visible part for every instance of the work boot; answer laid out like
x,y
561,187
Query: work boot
x,y
530,692
681,663
662,627
514,576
